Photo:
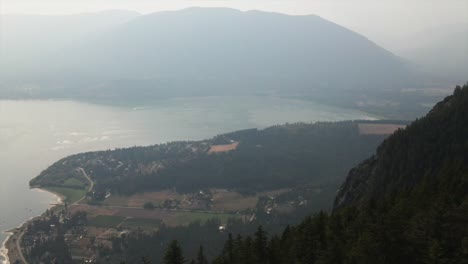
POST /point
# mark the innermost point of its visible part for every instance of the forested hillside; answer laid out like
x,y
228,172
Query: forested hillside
x,y
407,204
277,157
271,177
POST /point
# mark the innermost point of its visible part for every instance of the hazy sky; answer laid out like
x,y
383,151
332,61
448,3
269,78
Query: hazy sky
x,y
383,21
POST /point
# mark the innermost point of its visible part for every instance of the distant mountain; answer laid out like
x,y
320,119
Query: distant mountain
x,y
28,42
442,51
217,50
253,50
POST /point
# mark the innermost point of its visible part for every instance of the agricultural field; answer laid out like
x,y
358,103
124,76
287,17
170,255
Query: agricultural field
x,y
137,200
110,221
185,218
378,129
228,201
127,212
141,223
108,216
216,200
223,148
71,195
75,183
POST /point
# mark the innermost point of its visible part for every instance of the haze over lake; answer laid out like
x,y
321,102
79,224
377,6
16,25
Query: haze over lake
x,y
34,134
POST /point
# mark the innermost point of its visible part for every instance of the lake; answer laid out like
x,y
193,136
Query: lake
x,y
34,134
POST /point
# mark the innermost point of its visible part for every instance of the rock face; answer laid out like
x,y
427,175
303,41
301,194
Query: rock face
x,y
357,183
431,153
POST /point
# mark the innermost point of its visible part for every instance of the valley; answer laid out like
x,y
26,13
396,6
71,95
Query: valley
x,y
194,202
50,130
233,132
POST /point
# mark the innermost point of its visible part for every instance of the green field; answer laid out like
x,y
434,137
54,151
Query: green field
x,y
73,182
145,224
185,218
71,195
106,221
116,200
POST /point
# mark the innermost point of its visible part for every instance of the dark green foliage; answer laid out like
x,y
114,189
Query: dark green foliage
x,y
276,157
409,204
50,248
201,258
260,246
134,245
148,205
228,250
173,254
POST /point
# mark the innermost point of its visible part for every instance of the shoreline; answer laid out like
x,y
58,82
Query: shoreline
x,y
8,249
4,249
59,198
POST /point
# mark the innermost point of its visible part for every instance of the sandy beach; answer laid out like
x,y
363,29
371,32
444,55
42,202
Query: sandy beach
x,y
58,197
4,250
9,250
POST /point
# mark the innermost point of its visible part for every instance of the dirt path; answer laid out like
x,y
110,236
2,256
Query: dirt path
x,y
18,247
91,184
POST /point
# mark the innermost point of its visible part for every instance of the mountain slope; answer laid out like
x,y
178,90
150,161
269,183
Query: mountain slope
x,y
407,204
218,46
205,51
432,150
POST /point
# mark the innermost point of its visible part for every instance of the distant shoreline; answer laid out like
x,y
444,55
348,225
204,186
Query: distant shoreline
x,y
8,249
59,198
3,249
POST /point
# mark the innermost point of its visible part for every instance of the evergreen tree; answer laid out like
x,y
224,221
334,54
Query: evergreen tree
x,y
247,252
228,250
274,250
408,206
201,258
173,254
260,246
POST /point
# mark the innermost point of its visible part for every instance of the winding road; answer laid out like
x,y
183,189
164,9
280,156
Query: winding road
x,y
91,184
20,236
18,247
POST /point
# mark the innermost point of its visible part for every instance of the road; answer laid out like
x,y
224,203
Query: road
x,y
18,246
20,236
91,184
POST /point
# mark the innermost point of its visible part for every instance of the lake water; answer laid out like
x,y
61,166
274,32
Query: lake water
x,y
34,134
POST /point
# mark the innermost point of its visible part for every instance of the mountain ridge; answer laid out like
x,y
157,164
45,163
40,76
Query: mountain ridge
x,y
200,51
443,127
418,217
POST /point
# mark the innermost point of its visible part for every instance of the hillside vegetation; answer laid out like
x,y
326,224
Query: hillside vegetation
x,y
254,160
406,204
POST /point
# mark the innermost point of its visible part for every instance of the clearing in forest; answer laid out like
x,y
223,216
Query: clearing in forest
x,y
223,148
378,129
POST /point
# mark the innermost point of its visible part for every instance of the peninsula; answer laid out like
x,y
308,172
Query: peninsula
x,y
163,187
